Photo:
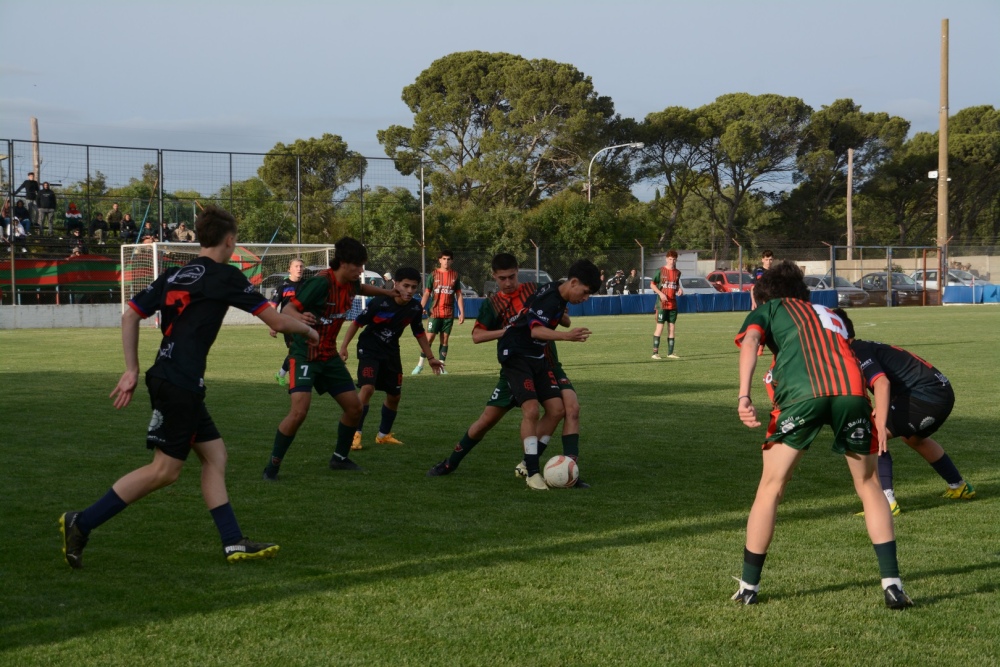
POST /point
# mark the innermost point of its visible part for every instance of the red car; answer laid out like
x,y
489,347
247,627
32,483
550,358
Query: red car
x,y
729,281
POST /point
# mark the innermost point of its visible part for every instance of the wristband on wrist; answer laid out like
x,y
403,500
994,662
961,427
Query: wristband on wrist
x,y
746,396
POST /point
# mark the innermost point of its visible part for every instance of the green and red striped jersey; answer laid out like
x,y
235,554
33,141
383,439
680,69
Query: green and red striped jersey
x,y
811,355
443,284
329,301
668,281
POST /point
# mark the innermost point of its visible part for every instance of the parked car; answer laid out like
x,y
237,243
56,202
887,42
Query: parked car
x,y
848,295
906,291
729,281
468,292
955,277
269,285
697,285
523,276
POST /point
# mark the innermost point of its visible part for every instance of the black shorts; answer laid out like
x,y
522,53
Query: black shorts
x,y
180,419
530,379
384,374
909,416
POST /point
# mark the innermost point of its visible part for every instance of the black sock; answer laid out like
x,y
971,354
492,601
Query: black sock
x,y
388,417
752,566
345,437
949,473
284,364
571,445
225,521
281,444
885,471
361,424
463,447
106,507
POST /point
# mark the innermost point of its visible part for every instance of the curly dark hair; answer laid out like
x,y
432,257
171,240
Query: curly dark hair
x,y
848,324
783,280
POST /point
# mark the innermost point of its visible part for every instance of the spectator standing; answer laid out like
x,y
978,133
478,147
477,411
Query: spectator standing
x,y
30,187
389,282
617,283
46,208
604,285
99,228
22,213
766,258
114,219
182,234
632,283
74,219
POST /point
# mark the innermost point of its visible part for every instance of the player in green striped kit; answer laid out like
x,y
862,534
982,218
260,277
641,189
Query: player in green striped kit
x,y
814,380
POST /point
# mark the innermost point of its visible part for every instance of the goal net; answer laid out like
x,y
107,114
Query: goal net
x,y
265,266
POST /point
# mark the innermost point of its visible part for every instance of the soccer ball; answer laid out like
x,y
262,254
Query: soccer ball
x,y
561,472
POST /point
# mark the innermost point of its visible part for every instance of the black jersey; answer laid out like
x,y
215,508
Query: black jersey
x,y
193,300
385,321
907,373
543,308
284,293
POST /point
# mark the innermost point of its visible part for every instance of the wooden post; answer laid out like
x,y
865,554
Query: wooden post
x,y
850,192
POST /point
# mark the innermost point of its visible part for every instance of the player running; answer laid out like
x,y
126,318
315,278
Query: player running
x,y
912,401
444,284
814,380
379,364
667,285
495,315
281,297
192,301
324,300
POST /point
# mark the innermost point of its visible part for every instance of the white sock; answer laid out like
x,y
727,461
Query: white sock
x,y
420,363
890,581
381,434
531,445
282,372
545,439
744,586
890,495
957,486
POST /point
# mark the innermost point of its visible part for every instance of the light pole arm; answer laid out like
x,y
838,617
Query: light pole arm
x,y
590,184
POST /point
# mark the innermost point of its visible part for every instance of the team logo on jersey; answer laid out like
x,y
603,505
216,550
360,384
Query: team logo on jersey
x,y
866,363
188,275
166,352
941,378
789,423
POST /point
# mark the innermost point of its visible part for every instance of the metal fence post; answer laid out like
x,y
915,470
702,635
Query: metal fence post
x,y
298,199
159,174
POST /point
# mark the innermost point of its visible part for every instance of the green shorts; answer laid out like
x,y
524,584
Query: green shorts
x,y
503,399
326,377
663,315
440,325
849,416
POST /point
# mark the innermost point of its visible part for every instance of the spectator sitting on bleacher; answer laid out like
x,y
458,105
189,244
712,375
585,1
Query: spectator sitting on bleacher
x,y
182,234
21,213
98,228
74,219
149,232
18,235
77,244
114,219
129,231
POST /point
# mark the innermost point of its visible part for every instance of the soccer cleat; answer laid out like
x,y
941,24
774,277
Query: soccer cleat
x,y
537,483
895,598
440,469
270,474
248,550
672,356
745,596
387,440
356,444
443,371
73,539
893,507
656,356
963,492
521,470
580,484
344,464
416,371
282,380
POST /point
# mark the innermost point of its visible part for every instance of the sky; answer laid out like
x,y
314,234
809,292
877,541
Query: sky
x,y
242,76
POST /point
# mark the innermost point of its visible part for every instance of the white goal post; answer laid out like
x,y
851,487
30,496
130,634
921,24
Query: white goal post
x,y
264,265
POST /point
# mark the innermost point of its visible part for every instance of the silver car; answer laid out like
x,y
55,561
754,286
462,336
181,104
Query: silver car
x,y
848,295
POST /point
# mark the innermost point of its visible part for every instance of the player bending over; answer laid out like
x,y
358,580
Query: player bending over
x,y
814,380
379,364
495,315
912,401
192,301
324,300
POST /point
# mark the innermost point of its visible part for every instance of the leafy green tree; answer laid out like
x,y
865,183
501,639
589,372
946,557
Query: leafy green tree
x,y
263,217
974,169
498,129
751,142
898,203
322,169
386,220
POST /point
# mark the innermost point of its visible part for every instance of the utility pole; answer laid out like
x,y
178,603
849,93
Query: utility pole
x,y
850,192
942,177
35,154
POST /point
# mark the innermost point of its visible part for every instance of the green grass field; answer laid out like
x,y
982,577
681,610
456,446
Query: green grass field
x,y
394,568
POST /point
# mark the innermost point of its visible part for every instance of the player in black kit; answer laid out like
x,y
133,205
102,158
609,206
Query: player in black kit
x,y
912,400
379,364
282,295
521,353
192,300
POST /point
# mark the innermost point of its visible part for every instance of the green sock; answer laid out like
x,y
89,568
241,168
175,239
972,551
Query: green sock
x,y
463,447
571,445
752,566
670,346
281,444
345,436
443,352
656,344
888,565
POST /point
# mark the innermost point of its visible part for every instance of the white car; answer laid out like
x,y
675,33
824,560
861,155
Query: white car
x,y
468,292
697,285
955,277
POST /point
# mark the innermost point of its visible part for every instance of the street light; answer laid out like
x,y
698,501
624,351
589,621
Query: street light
x,y
634,144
